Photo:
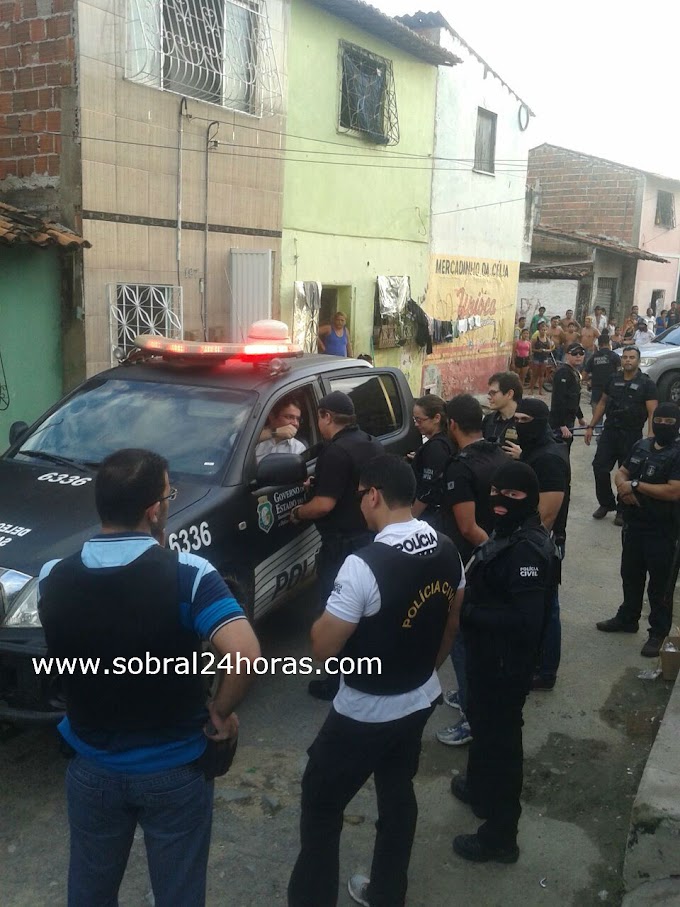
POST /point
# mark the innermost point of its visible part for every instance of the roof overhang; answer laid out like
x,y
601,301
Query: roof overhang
x,y
606,243
371,20
554,272
19,227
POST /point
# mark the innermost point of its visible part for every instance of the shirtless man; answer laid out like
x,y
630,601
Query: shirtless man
x,y
556,332
569,317
572,333
589,334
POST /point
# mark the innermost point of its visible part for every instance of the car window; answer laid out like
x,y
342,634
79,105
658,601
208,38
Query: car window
x,y
376,401
194,428
670,335
308,432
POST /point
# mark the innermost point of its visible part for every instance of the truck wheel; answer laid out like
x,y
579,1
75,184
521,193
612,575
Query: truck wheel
x,y
669,388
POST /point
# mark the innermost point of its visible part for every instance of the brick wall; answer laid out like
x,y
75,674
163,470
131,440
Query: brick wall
x,y
37,65
579,192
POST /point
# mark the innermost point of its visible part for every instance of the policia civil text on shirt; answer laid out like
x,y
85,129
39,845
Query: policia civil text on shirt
x,y
140,738
396,599
600,367
549,459
629,400
334,507
648,484
508,583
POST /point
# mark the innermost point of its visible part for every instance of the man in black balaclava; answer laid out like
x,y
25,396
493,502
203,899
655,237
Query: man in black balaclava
x,y
508,587
550,461
648,485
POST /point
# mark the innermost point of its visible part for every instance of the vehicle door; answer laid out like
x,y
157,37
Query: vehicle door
x,y
283,555
383,403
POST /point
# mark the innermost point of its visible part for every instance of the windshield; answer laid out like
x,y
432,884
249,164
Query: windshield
x,y
195,428
670,336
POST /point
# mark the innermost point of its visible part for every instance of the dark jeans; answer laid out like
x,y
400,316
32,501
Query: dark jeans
x,y
459,666
342,758
551,648
647,550
174,809
334,550
613,447
495,758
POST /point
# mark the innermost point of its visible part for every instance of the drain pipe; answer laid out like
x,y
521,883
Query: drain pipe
x,y
183,112
210,142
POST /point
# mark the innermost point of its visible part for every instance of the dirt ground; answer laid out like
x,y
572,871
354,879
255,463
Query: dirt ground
x,y
586,744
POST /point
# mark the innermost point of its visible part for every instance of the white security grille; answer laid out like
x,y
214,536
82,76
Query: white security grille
x,y
212,50
139,308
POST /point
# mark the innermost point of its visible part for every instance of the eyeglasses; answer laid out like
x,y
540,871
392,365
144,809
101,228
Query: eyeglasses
x,y
493,393
362,492
419,419
169,497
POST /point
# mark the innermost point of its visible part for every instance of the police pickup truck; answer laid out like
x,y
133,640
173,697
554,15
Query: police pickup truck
x,y
202,406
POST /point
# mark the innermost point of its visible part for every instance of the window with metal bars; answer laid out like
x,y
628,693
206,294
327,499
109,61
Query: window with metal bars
x,y
665,209
606,292
368,101
485,141
136,308
219,51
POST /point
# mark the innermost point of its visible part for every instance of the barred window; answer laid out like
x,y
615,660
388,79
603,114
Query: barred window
x,y
485,141
219,51
665,209
368,101
137,308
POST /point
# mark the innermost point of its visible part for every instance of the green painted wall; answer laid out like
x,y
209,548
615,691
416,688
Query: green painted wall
x,y
350,215
29,333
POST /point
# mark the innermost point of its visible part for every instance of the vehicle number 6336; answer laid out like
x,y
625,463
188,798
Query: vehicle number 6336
x,y
190,539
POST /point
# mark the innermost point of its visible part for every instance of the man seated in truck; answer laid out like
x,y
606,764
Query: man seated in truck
x,y
278,435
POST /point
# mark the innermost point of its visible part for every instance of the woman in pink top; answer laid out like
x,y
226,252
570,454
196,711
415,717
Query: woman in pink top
x,y
521,355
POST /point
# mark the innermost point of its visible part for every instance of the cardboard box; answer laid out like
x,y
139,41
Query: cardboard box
x,y
670,661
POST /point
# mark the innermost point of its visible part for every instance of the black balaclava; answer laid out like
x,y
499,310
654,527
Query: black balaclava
x,y
518,477
530,433
666,434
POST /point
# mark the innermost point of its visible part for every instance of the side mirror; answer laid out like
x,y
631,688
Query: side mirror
x,y
16,431
280,469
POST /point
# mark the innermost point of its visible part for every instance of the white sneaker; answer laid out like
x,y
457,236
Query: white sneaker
x,y
452,698
456,735
357,886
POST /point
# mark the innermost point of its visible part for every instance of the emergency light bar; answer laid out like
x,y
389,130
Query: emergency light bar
x,y
265,340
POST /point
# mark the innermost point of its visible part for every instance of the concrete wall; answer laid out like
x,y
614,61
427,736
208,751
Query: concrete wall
x,y
579,192
348,218
556,295
475,216
130,139
663,241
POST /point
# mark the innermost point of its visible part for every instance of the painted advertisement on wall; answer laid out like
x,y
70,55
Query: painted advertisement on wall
x,y
472,305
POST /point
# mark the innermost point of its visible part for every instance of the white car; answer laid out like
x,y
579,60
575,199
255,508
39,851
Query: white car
x,y
660,359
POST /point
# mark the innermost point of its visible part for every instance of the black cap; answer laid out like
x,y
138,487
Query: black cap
x,y
576,349
337,402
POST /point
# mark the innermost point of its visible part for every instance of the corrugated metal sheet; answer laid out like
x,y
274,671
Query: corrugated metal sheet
x,y
17,226
391,30
599,242
250,277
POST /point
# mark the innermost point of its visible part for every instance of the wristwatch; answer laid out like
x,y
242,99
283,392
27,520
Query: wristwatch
x,y
274,430
634,484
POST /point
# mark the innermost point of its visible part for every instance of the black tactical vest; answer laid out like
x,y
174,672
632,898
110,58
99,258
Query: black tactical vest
x,y
653,466
416,592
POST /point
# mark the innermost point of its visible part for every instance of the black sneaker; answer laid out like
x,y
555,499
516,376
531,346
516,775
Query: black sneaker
x,y
470,847
461,791
616,625
543,682
618,519
602,512
652,647
324,689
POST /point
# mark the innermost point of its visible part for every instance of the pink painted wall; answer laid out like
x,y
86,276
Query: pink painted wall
x,y
661,241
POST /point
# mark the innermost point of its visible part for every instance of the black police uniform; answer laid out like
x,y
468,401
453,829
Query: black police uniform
x,y
343,530
428,465
649,537
468,478
503,615
416,592
601,366
625,416
496,428
565,406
